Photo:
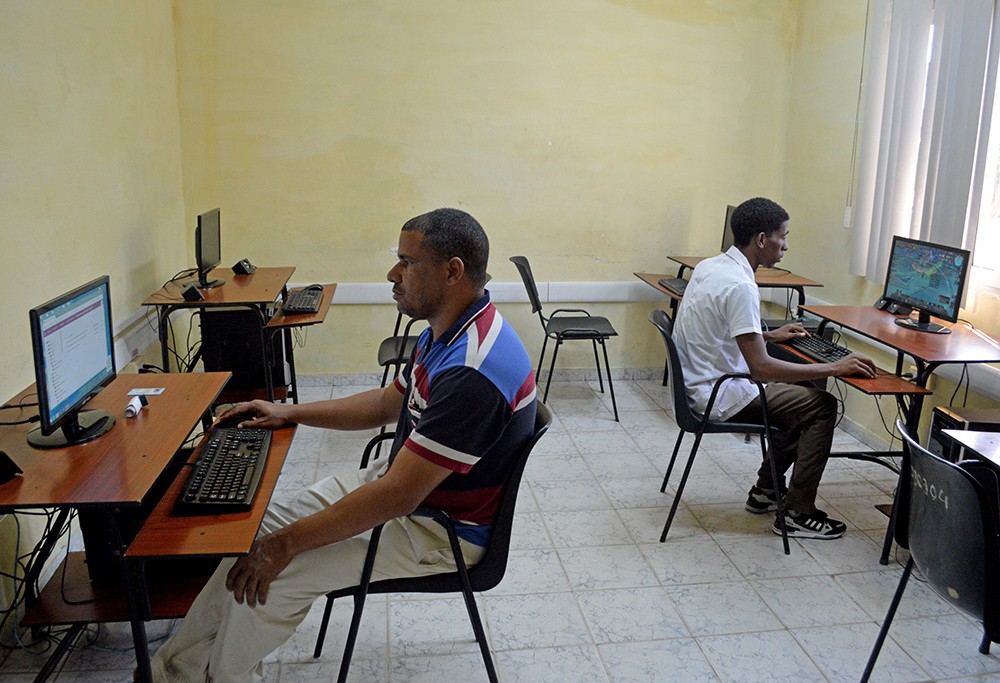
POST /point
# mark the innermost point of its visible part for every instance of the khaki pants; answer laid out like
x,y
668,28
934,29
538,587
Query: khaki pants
x,y
806,418
222,641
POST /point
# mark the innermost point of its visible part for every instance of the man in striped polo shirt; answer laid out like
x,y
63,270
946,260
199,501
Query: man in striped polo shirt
x,y
469,408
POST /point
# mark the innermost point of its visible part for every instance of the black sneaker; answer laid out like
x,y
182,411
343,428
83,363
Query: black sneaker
x,y
761,500
817,525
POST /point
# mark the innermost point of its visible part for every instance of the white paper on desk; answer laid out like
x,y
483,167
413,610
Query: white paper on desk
x,y
147,391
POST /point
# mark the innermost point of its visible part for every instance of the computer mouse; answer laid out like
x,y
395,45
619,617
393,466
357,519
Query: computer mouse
x,y
316,288
231,421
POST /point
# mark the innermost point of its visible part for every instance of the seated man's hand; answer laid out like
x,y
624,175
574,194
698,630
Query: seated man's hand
x,y
259,414
854,365
786,332
251,576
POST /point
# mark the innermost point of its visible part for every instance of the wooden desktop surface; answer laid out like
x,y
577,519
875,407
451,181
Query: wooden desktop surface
x,y
166,535
884,383
119,467
961,346
260,287
282,319
986,445
652,279
764,277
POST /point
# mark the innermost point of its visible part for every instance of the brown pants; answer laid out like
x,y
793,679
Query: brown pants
x,y
803,419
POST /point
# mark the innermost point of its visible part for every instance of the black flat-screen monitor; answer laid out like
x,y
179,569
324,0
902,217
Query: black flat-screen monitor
x,y
73,347
927,277
727,228
207,248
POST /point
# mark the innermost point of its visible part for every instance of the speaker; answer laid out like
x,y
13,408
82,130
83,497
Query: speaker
x,y
244,267
972,419
230,341
192,293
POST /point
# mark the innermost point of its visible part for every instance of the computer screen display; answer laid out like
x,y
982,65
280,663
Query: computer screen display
x,y
727,228
207,247
928,277
73,347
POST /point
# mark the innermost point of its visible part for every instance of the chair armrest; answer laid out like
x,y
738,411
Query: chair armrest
x,y
370,446
737,375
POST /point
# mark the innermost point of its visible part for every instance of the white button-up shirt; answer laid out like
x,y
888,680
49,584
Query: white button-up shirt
x,y
720,303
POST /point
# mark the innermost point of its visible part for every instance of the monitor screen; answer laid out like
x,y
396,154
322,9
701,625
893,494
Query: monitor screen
x,y
73,347
928,277
207,247
727,228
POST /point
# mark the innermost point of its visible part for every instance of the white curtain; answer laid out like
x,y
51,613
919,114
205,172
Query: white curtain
x,y
926,101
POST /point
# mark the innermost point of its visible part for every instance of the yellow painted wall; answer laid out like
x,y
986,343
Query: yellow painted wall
x,y
90,173
594,137
90,178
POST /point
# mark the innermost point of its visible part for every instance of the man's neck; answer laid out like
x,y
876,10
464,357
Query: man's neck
x,y
442,321
751,255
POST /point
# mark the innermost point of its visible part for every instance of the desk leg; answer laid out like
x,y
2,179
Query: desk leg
x,y
65,644
290,347
139,614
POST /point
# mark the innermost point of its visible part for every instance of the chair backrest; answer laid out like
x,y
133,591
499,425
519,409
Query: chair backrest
x,y
489,571
686,418
948,521
529,284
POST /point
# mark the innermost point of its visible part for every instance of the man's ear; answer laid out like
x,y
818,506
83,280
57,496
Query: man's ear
x,y
761,238
456,270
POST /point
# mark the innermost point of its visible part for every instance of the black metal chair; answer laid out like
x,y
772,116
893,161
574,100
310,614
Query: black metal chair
x,y
485,574
394,350
947,519
568,324
690,421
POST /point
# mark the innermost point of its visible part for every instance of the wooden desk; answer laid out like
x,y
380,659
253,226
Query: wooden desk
x,y
984,445
119,470
764,277
927,351
256,292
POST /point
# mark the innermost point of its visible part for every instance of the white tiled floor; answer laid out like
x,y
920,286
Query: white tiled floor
x,y
591,596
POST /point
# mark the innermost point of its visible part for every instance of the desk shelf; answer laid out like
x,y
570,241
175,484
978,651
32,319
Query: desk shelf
x,y
82,601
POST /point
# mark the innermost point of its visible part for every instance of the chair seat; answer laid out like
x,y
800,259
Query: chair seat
x,y
580,327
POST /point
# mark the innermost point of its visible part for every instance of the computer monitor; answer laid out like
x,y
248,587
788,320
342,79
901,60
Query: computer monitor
x,y
928,277
727,228
207,248
73,347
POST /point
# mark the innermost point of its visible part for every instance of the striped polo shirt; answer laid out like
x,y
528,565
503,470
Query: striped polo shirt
x,y
471,410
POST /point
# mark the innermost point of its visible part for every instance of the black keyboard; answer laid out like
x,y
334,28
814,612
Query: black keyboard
x,y
819,348
677,285
304,300
227,473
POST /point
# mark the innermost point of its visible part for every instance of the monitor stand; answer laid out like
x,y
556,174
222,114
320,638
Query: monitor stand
x,y
81,427
205,283
922,324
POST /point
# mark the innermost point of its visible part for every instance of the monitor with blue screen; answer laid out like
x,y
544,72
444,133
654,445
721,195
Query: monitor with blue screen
x,y
927,277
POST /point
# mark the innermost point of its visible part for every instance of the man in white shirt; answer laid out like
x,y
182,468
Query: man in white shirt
x,y
718,331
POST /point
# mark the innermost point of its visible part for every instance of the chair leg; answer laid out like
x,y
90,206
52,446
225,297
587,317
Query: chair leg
x,y
673,457
597,362
984,647
541,358
477,625
680,488
552,368
352,636
318,650
776,480
884,631
611,387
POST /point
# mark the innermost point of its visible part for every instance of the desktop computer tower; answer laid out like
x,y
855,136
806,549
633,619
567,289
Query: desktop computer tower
x,y
974,419
230,340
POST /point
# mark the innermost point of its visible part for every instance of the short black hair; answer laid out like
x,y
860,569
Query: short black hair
x,y
451,232
757,215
